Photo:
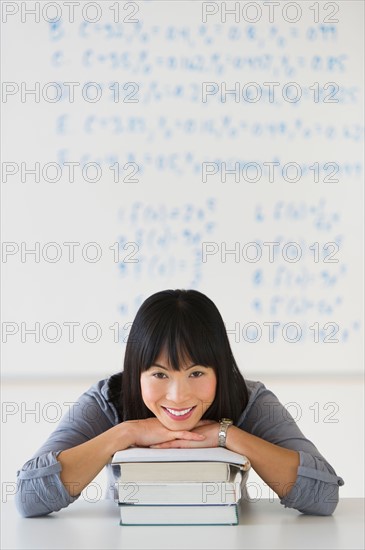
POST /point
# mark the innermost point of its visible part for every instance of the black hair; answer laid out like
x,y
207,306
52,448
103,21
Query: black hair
x,y
188,325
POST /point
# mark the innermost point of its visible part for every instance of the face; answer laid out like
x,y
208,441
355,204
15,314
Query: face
x,y
178,398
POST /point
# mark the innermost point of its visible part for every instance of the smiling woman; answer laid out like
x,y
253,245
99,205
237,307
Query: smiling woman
x,y
182,396
180,387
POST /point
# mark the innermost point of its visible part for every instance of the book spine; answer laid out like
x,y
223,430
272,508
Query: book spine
x,y
178,515
123,473
179,493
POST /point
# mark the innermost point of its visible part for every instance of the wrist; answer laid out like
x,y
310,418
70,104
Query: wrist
x,y
121,437
234,439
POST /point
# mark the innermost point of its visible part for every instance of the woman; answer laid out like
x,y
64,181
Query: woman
x,y
179,380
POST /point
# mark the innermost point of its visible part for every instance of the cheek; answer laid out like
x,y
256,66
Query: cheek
x,y
150,394
208,390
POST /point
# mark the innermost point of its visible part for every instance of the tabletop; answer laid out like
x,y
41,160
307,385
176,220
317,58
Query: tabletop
x,y
264,524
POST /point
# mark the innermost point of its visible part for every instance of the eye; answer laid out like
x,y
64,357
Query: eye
x,y
197,372
158,374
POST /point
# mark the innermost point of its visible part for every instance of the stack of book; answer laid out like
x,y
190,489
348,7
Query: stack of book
x,y
179,486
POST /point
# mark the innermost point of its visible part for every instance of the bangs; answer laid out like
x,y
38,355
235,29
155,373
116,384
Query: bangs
x,y
182,338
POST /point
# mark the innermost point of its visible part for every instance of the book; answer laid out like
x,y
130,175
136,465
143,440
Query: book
x,y
179,486
209,464
214,492
179,515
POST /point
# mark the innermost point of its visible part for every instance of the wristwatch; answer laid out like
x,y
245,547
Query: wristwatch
x,y
222,435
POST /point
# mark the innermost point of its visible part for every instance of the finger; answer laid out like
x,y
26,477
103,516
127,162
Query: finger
x,y
189,435
176,444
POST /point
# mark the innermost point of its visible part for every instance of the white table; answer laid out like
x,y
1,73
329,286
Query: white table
x,y
263,524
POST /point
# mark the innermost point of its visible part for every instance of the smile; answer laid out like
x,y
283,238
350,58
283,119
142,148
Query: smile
x,y
179,414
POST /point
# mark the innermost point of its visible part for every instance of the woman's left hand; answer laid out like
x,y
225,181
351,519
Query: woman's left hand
x,y
209,428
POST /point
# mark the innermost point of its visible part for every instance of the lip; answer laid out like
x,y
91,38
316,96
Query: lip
x,y
179,418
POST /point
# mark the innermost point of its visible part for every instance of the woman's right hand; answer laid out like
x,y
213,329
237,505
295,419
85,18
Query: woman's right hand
x,y
151,431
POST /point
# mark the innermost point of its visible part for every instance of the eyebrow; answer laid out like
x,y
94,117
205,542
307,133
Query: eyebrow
x,y
187,368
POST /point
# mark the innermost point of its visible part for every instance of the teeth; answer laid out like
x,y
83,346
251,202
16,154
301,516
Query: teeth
x,y
179,413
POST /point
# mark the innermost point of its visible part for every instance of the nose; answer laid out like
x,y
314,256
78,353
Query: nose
x,y
178,392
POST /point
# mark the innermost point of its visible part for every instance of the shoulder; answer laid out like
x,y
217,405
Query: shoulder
x,y
259,396
254,387
98,397
255,391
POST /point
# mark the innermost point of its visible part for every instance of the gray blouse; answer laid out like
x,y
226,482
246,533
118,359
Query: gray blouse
x,y
40,490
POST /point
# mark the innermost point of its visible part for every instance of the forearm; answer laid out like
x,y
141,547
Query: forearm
x,y
81,464
276,465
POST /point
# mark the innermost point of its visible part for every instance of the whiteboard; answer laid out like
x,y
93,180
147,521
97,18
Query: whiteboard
x,y
178,145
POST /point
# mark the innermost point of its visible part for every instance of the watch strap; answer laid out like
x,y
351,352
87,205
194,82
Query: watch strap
x,y
223,428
